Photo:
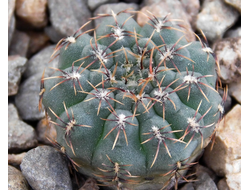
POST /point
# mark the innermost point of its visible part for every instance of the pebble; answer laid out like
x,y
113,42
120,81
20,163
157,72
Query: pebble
x,y
21,136
15,159
234,3
215,18
16,67
192,8
94,4
222,184
38,41
20,44
11,20
16,180
233,33
226,147
62,19
32,12
38,62
204,182
106,9
45,130
188,186
235,91
228,53
27,98
199,169
234,181
82,13
45,169
65,18
162,8
90,184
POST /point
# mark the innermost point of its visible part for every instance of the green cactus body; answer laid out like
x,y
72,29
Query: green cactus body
x,y
132,103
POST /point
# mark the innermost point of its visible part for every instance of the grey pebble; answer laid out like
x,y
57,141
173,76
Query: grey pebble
x,y
16,67
27,99
21,136
37,63
45,169
215,18
66,17
11,20
16,180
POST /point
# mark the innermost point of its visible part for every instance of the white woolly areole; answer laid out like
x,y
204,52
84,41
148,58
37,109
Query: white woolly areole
x,y
118,33
140,97
161,95
121,120
167,55
190,79
74,75
193,124
111,78
102,94
71,39
159,26
156,132
151,75
99,54
70,125
138,60
221,108
207,50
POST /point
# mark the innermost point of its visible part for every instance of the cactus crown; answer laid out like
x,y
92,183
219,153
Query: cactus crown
x,y
133,106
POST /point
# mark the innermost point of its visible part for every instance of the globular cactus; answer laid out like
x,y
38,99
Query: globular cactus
x,y
133,106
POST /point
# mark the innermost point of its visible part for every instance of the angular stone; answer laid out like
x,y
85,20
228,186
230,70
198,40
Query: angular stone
x,y
45,168
227,145
192,8
38,41
204,182
222,184
234,181
200,169
28,98
16,67
90,184
66,17
235,90
21,136
82,13
233,33
228,52
45,130
16,180
188,186
162,8
32,12
19,44
234,3
62,18
11,20
15,159
40,61
215,18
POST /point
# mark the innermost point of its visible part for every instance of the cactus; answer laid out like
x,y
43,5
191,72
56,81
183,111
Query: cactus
x,y
133,106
